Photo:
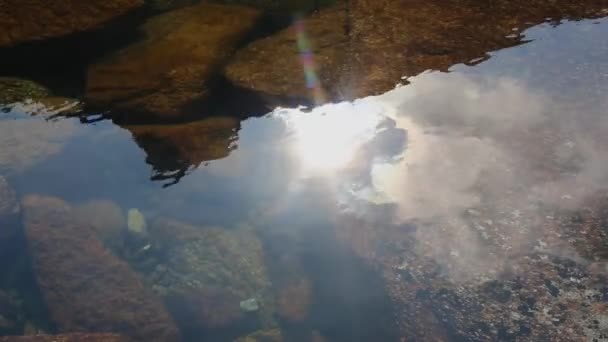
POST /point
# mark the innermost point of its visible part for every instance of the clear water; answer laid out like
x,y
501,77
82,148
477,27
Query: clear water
x,y
453,181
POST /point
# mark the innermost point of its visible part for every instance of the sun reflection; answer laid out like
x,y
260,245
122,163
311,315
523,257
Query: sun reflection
x,y
327,138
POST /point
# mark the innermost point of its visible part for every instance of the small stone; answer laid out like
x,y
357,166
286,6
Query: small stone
x,y
104,216
136,222
250,305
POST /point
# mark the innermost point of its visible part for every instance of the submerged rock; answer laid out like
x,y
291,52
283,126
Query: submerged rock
x,y
516,289
249,305
207,274
11,319
366,47
104,216
74,337
294,300
273,335
86,288
22,21
136,223
166,75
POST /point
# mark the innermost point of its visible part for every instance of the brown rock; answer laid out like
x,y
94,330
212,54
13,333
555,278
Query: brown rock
x,y
210,308
281,6
27,20
273,335
174,149
206,274
168,5
10,315
76,337
9,209
167,74
104,216
85,287
367,47
294,300
272,66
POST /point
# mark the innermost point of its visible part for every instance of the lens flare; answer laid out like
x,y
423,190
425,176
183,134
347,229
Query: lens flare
x,y
307,59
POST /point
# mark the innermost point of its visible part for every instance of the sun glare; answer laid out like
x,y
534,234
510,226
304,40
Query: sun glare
x,y
327,138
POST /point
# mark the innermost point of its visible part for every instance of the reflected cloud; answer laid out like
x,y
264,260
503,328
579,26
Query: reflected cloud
x,y
488,145
27,140
327,138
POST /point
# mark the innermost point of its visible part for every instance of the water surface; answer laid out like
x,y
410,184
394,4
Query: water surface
x,y
440,209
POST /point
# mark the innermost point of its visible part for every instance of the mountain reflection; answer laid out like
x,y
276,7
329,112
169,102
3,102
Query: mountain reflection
x,y
173,150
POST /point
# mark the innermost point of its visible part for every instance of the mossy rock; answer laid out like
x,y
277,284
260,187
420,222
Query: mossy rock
x,y
17,90
205,274
273,335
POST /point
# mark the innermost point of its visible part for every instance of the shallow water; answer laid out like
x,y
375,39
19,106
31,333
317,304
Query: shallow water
x,y
398,212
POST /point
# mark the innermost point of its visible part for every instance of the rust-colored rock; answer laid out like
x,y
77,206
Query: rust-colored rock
x,y
272,66
86,288
366,47
105,217
28,20
294,300
167,74
76,337
273,335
